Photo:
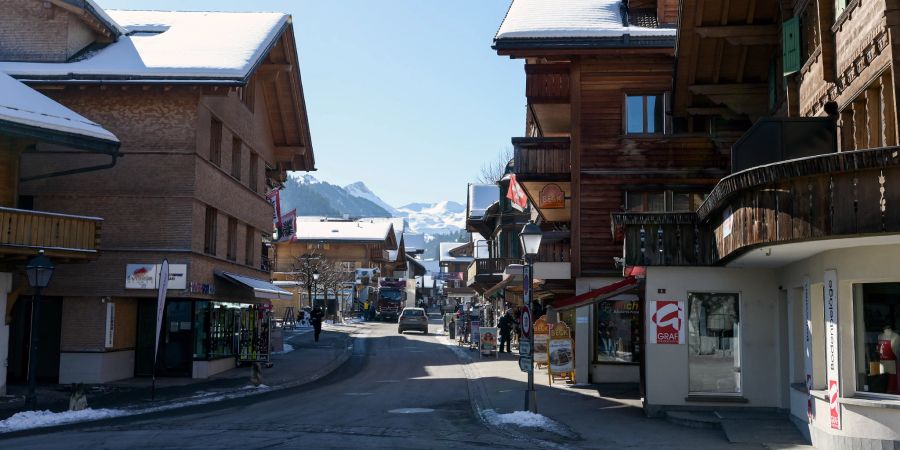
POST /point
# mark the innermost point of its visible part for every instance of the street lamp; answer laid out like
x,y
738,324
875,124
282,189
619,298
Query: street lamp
x,y
39,271
315,276
530,238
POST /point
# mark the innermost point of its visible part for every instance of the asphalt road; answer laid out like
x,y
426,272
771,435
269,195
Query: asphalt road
x,y
394,392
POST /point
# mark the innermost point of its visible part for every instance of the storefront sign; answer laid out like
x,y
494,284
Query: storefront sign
x,y
541,340
561,354
665,322
146,276
552,197
727,222
488,340
807,350
832,347
110,324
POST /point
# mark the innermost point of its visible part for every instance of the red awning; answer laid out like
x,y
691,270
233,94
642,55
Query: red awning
x,y
597,295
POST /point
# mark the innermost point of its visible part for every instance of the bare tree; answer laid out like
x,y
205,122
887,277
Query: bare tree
x,y
323,275
492,171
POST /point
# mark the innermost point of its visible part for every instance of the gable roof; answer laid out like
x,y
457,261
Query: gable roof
x,y
93,15
28,113
170,45
575,24
414,242
360,232
446,256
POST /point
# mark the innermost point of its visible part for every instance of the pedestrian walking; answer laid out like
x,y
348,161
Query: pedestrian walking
x,y
506,326
317,316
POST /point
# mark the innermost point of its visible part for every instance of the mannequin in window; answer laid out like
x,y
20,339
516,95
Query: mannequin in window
x,y
889,353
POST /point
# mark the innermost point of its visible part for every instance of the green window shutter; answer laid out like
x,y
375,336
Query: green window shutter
x,y
791,41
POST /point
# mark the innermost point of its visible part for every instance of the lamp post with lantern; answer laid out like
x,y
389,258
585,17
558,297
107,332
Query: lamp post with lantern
x,y
39,270
315,277
530,238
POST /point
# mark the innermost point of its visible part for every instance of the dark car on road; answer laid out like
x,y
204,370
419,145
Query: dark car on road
x,y
413,319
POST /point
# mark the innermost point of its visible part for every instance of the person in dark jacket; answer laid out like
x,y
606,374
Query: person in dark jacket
x,y
506,326
317,316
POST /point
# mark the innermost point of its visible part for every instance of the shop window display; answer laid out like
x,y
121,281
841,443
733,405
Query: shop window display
x,y
618,330
877,316
714,343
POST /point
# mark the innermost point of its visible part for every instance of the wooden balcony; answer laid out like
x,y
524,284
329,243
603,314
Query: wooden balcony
x,y
23,233
547,83
542,159
822,198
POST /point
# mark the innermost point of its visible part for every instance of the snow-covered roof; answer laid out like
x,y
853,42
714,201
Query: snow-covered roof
x,y
343,231
414,242
170,45
481,197
447,257
557,19
23,106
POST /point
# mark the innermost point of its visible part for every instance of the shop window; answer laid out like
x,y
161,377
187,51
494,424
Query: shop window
x,y
876,311
236,153
714,364
215,142
644,114
232,239
253,179
209,238
619,330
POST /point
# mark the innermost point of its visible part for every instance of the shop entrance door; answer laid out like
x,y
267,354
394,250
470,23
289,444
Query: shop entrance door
x,y
176,338
48,340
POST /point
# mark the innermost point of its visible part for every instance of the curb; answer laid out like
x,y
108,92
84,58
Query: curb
x,y
131,411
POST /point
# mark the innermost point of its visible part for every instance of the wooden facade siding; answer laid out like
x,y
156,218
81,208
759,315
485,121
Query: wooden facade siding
x,y
542,158
26,232
489,266
547,83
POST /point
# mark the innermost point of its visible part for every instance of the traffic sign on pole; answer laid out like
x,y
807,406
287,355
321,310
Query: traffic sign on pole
x,y
526,364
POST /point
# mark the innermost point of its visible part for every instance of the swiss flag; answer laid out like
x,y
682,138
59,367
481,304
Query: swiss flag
x,y
516,194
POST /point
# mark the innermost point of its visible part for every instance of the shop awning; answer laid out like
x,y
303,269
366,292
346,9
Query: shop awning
x,y
597,295
260,288
493,289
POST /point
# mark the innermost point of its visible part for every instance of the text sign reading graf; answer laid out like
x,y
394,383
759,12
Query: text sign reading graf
x,y
526,364
525,348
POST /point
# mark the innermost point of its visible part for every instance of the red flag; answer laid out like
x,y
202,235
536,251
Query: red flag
x,y
516,194
274,197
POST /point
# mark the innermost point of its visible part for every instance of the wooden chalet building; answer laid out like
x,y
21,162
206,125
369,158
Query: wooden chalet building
x,y
455,259
785,277
600,139
210,113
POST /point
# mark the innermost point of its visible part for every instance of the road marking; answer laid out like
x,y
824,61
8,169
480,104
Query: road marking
x,y
388,381
357,393
411,410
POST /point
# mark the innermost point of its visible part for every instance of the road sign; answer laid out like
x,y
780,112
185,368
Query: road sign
x,y
526,322
525,348
526,364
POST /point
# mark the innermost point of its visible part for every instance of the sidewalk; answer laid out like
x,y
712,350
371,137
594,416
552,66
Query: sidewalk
x,y
302,361
588,416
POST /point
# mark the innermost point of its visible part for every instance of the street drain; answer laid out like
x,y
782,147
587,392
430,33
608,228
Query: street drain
x,y
411,410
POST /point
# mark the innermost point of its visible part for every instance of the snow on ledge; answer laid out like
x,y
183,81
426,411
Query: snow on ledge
x,y
570,19
37,419
525,419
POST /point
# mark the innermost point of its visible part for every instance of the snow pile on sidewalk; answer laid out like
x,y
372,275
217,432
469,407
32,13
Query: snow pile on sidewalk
x,y
287,349
35,419
525,419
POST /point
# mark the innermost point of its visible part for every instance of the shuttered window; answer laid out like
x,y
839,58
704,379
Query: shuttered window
x,y
791,45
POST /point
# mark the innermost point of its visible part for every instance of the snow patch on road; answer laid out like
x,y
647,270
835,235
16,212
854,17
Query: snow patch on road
x,y
525,419
36,419
250,386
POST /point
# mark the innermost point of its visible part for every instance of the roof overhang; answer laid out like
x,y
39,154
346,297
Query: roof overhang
x,y
508,46
261,289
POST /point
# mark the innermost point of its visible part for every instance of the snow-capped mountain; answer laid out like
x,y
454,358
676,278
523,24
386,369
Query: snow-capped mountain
x,y
359,189
435,218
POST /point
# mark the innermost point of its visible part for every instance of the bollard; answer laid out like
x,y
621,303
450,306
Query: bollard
x,y
452,329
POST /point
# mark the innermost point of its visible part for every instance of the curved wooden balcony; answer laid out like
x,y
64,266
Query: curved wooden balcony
x,y
23,233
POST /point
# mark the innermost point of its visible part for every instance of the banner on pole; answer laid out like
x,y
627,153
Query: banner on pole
x,y
832,347
807,350
161,303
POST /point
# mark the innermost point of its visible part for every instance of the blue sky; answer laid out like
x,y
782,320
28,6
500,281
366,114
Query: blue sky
x,y
406,96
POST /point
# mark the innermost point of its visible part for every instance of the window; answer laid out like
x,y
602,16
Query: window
x,y
839,6
253,180
713,343
876,311
232,239
619,330
348,266
249,244
215,142
663,201
209,239
236,154
644,114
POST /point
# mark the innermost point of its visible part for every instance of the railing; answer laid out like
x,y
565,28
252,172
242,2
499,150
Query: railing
x,y
547,83
492,266
24,232
536,158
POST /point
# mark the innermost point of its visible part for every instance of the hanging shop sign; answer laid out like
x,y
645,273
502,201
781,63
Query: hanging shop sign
x,y
560,350
488,340
832,347
146,276
665,322
541,340
552,197
807,351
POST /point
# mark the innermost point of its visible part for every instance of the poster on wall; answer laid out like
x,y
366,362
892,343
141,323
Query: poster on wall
x,y
807,352
560,351
832,347
665,322
541,340
110,324
146,276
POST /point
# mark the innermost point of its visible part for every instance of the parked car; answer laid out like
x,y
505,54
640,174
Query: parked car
x,y
413,319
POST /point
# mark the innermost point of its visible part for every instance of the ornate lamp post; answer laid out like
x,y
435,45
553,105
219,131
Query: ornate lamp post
x,y
530,238
39,271
315,277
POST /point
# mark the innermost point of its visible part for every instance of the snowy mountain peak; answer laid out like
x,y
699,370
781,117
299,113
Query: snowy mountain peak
x,y
359,189
304,178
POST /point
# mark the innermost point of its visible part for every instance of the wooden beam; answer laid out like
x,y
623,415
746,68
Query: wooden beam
x,y
742,34
711,111
726,89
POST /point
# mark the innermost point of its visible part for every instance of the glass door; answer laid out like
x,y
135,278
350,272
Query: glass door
x,y
714,343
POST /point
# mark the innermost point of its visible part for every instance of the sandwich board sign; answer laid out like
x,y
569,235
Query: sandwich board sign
x,y
561,353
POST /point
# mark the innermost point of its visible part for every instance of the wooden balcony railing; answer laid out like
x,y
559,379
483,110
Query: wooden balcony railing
x,y
24,232
491,266
542,158
547,83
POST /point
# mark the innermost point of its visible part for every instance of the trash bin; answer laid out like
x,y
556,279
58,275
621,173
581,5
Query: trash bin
x,y
452,329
